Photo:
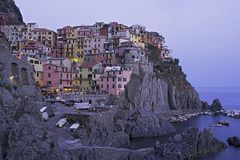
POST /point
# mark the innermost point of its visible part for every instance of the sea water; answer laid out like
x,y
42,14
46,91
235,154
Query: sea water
x,y
230,99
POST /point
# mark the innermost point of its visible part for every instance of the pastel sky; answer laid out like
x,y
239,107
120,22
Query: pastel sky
x,y
204,34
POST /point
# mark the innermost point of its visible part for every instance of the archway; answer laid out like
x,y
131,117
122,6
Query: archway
x,y
24,74
14,73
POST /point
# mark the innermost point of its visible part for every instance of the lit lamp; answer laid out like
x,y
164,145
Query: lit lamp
x,y
11,78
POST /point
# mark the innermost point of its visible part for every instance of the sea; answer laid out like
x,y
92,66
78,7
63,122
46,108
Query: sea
x,y
230,99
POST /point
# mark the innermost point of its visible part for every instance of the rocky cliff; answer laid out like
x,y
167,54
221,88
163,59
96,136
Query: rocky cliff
x,y
10,13
155,91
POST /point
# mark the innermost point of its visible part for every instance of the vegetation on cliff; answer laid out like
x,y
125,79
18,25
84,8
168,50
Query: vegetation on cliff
x,y
169,70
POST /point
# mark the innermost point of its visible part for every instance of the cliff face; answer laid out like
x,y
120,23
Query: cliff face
x,y
155,91
10,13
23,135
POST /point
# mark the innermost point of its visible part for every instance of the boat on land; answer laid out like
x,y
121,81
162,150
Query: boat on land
x,y
61,122
74,127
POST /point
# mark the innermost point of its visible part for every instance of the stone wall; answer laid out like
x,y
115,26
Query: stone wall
x,y
16,72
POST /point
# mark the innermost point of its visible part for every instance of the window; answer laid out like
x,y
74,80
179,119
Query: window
x,y
107,86
36,62
119,79
113,86
107,79
31,61
49,75
101,85
119,86
49,83
124,79
37,74
113,79
60,81
101,79
49,67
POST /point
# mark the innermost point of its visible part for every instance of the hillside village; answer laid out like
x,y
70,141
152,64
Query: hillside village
x,y
95,58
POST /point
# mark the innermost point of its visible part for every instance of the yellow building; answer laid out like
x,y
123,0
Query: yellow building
x,y
86,75
135,38
38,67
46,36
72,44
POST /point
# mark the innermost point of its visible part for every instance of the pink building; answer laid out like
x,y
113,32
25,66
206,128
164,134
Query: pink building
x,y
57,77
114,80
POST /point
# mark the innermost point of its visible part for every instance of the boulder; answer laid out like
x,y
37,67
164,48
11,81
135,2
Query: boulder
x,y
191,145
177,138
216,105
234,141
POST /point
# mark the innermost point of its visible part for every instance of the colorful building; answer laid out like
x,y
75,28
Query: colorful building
x,y
114,80
94,45
57,78
86,74
38,68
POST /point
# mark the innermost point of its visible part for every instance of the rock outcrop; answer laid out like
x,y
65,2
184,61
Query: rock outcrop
x,y
216,105
10,13
191,145
234,141
148,96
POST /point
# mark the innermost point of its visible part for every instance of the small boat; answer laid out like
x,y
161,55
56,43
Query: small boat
x,y
215,125
224,123
208,113
74,127
61,122
43,109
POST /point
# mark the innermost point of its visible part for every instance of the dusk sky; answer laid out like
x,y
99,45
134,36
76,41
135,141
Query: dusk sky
x,y
203,34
